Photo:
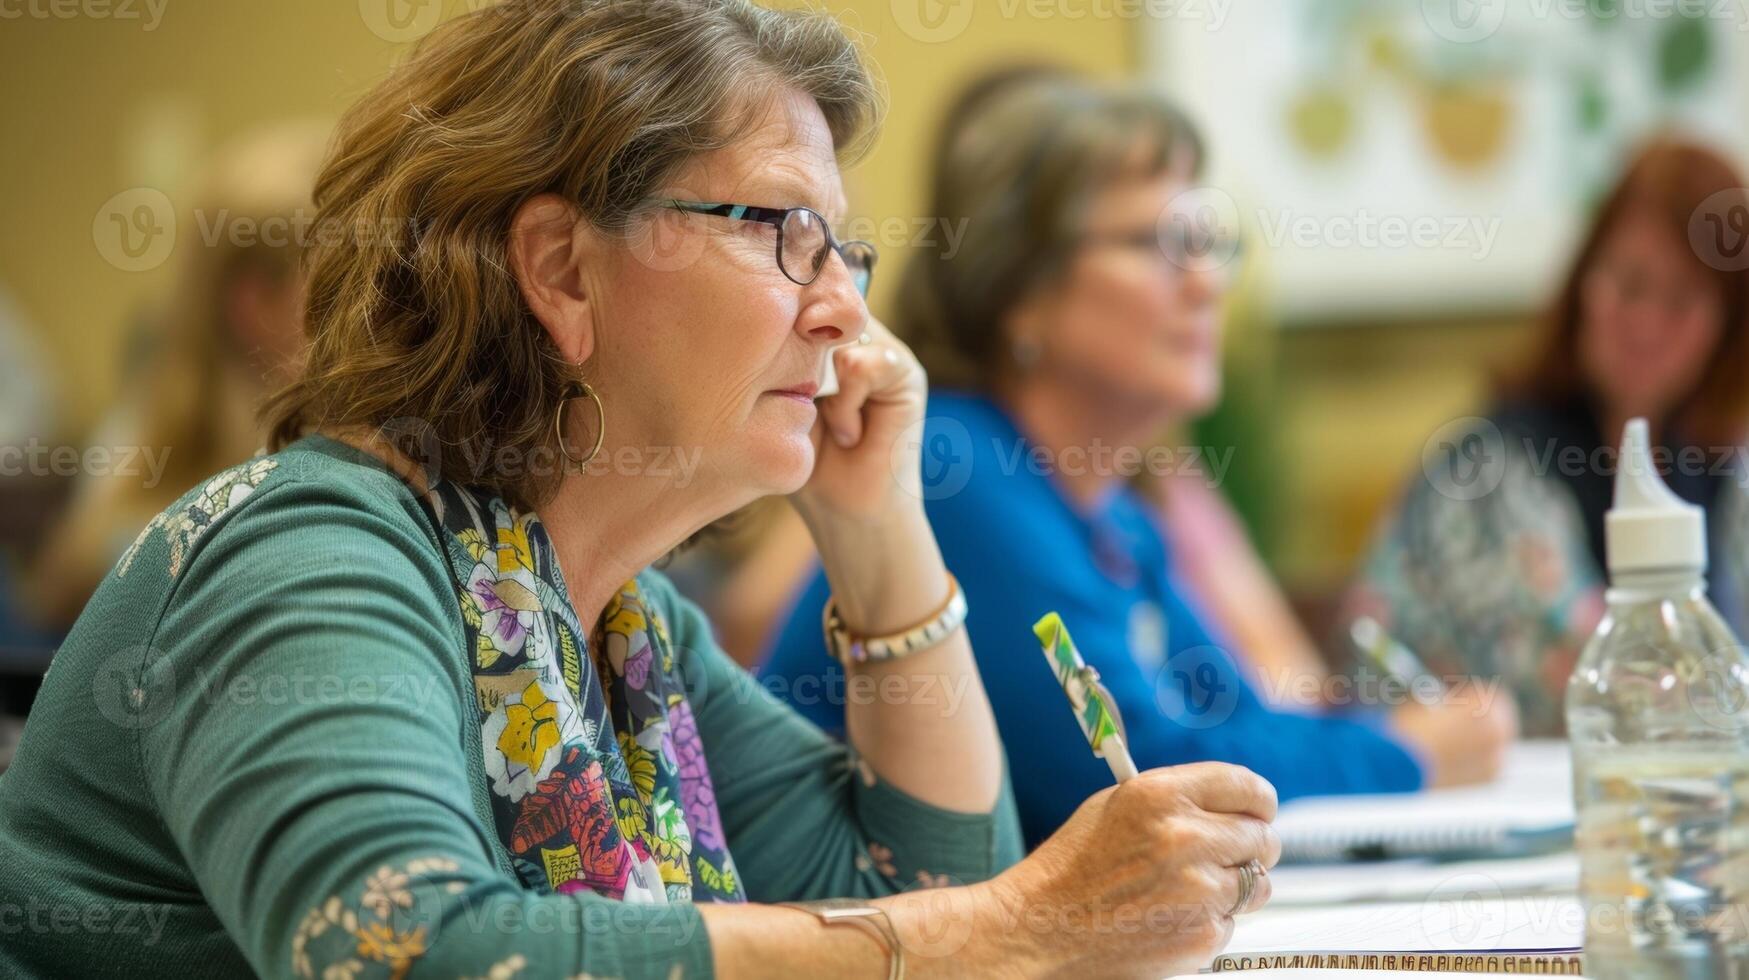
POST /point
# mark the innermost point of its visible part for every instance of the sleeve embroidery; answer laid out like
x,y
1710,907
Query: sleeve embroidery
x,y
381,934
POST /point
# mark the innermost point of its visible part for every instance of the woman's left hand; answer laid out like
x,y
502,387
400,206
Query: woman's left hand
x,y
866,438
864,503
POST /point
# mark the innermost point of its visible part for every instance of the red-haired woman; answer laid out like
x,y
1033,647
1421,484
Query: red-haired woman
x,y
1494,561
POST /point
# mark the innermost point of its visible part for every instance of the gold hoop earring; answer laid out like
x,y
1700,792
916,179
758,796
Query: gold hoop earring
x,y
578,390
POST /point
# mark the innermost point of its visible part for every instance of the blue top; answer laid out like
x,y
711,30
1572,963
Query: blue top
x,y
1021,549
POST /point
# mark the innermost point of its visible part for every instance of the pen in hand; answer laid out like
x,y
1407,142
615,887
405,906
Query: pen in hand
x,y
1384,651
1091,702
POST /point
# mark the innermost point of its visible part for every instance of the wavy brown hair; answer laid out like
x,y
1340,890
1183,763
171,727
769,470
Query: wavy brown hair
x,y
413,312
1696,192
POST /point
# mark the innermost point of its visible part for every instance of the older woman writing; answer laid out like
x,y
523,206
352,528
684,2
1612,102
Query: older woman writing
x,y
403,698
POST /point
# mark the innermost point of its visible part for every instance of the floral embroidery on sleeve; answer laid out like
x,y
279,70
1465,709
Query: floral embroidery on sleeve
x,y
187,519
378,936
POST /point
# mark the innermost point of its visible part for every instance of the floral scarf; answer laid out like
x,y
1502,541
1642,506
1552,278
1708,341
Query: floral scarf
x,y
597,773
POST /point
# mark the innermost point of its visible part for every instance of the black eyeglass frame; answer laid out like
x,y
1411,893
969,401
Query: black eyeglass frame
x,y
778,217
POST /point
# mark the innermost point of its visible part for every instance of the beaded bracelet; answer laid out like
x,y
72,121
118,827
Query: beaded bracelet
x,y
847,647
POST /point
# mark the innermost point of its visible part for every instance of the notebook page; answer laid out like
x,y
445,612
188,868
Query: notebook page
x,y
1533,793
1416,879
1476,919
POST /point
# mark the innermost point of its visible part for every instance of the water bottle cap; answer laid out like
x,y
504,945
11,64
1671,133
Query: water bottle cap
x,y
1649,527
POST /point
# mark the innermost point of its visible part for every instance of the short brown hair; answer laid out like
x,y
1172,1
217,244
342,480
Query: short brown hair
x,y
413,312
1019,158
1683,184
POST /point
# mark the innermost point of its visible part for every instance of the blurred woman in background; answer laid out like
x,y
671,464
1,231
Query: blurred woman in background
x,y
1493,562
1079,318
229,334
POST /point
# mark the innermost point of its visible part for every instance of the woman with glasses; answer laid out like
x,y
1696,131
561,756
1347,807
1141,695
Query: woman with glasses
x,y
404,697
1077,322
1493,562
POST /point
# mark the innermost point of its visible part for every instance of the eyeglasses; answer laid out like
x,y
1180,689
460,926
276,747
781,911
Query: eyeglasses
x,y
1188,247
804,241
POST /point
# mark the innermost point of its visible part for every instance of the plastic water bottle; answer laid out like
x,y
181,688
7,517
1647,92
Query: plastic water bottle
x,y
1658,715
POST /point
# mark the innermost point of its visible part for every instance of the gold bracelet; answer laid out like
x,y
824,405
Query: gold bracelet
x,y
847,647
864,916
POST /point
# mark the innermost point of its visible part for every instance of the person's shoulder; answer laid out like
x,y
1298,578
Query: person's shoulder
x,y
976,466
310,487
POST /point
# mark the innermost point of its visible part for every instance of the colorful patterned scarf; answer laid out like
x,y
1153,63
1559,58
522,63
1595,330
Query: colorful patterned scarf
x,y
597,773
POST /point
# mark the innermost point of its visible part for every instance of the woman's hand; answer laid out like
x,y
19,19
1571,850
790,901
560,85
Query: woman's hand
x,y
1462,739
1141,881
859,475
864,503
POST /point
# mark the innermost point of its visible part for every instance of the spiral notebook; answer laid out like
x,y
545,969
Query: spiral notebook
x,y
1529,811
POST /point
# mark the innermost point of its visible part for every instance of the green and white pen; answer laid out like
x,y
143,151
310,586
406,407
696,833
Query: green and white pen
x,y
1090,700
1384,650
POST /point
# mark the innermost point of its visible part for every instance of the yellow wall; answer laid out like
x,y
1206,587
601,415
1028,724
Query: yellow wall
x,y
96,106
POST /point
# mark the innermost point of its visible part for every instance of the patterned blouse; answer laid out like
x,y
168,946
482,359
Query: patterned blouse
x,y
1492,564
315,725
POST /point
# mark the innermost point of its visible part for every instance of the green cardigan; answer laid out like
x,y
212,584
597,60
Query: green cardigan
x,y
261,739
